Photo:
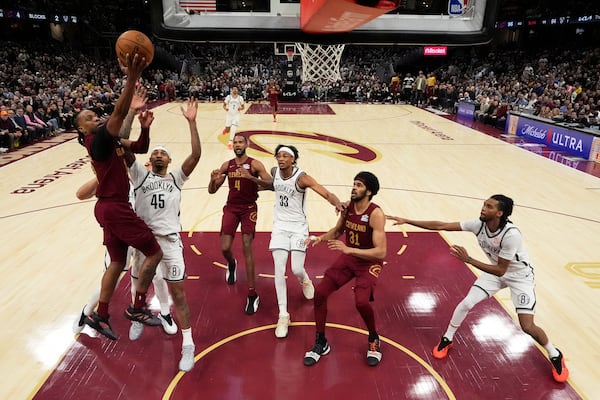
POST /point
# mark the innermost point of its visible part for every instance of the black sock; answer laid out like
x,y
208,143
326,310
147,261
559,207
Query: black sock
x,y
321,338
373,336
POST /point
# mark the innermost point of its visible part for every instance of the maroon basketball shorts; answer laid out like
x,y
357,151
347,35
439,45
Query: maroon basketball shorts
x,y
123,228
234,216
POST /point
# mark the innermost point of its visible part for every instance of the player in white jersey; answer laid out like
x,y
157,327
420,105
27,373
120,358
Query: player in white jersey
x,y
157,202
233,104
508,266
290,226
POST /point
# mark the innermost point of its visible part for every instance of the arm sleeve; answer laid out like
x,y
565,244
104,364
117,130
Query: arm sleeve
x,y
141,145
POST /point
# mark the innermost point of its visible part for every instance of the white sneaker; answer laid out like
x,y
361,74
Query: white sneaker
x,y
187,358
281,330
308,289
168,324
136,330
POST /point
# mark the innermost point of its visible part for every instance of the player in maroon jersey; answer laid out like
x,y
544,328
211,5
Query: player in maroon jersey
x,y
363,251
273,91
242,173
122,227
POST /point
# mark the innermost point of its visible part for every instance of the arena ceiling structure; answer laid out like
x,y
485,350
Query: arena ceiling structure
x,y
369,22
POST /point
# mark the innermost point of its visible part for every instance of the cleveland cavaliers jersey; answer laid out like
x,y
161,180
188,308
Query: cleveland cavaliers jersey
x,y
241,190
234,103
158,198
506,243
290,199
359,233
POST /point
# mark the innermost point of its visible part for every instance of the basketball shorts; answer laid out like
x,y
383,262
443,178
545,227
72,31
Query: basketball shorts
x,y
521,286
172,267
232,120
347,267
245,217
122,228
289,238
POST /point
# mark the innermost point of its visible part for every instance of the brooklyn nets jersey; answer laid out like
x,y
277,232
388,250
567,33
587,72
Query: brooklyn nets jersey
x,y
234,104
158,198
506,243
290,199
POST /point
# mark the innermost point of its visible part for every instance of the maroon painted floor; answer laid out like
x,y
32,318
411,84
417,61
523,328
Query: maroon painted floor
x,y
238,356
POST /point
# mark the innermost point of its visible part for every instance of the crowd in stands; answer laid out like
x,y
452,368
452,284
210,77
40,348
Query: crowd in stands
x,y
42,85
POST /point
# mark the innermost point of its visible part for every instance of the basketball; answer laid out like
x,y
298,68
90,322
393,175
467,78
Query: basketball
x,y
133,42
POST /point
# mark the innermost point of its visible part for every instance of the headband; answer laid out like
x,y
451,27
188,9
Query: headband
x,y
163,148
287,150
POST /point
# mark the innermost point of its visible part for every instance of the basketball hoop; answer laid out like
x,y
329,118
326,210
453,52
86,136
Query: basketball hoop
x,y
320,63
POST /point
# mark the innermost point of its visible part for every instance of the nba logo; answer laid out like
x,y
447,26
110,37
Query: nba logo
x,y
457,7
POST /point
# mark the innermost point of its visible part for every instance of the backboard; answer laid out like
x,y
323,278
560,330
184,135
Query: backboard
x,y
423,22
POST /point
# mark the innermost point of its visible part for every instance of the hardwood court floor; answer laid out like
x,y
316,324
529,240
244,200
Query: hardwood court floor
x,y
429,168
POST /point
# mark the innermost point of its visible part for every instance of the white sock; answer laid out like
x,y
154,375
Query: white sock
x,y
187,337
552,352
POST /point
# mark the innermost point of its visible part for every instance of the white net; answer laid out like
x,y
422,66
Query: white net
x,y
320,63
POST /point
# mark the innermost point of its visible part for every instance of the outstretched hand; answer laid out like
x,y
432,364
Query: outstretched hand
x,y
191,111
397,220
460,253
134,66
139,99
146,119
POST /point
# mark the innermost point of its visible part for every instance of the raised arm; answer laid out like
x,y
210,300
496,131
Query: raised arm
x,y
138,102
141,145
431,225
135,66
190,115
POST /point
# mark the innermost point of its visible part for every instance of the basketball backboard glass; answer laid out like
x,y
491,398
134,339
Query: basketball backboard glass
x,y
414,22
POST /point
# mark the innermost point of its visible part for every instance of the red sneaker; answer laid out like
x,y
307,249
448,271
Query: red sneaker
x,y
441,350
560,373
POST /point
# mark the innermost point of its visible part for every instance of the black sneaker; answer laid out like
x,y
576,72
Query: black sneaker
x,y
142,315
230,275
374,353
252,304
101,325
318,350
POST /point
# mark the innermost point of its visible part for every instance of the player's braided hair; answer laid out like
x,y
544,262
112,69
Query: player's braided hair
x,y
505,204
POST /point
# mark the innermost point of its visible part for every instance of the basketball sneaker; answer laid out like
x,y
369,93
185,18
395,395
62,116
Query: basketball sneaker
x,y
283,323
560,373
441,350
79,323
169,326
252,304
318,350
224,131
101,325
308,289
374,353
142,315
187,358
136,330
230,275
229,146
